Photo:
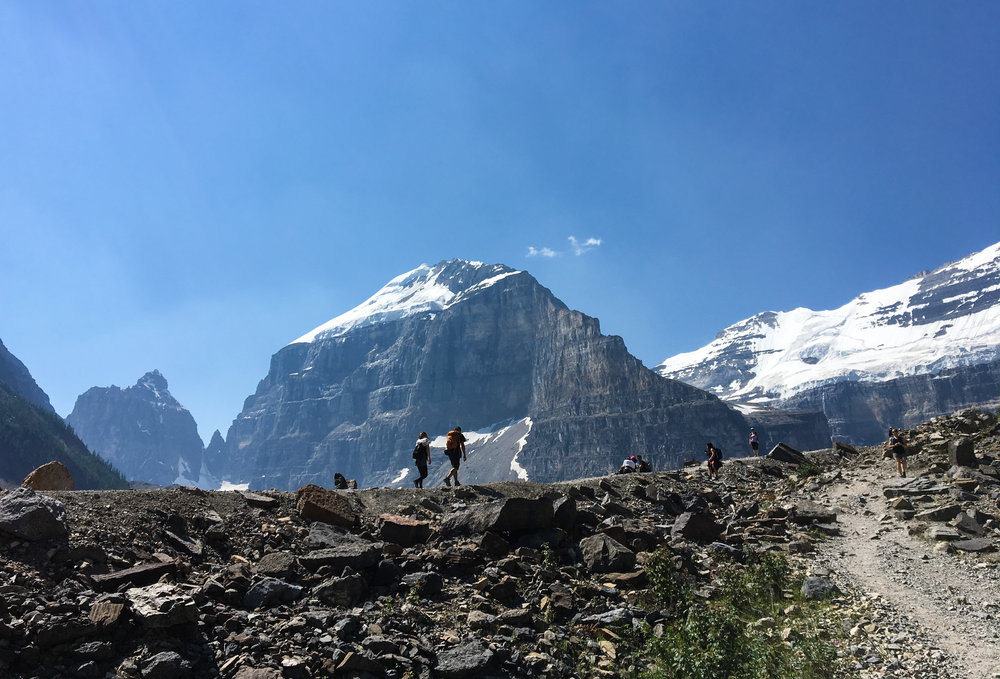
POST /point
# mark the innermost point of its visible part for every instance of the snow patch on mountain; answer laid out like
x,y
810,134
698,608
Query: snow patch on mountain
x,y
426,289
945,318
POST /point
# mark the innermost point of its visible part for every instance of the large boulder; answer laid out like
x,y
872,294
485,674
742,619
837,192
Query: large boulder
x,y
351,551
162,605
603,554
785,453
515,515
696,526
467,659
962,453
30,516
50,476
403,530
320,504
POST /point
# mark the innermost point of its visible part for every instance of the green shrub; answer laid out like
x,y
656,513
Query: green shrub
x,y
716,638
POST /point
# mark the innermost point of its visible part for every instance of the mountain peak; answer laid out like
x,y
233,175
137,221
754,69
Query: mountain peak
x,y
945,318
154,381
426,289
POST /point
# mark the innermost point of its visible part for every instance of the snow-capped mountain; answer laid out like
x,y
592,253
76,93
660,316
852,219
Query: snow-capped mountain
x,y
543,394
943,321
424,290
143,430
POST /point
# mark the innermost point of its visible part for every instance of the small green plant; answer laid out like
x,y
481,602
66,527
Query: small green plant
x,y
413,595
549,558
807,469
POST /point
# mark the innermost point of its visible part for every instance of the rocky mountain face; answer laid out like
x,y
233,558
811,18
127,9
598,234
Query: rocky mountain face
x,y
891,357
143,431
599,577
480,346
15,375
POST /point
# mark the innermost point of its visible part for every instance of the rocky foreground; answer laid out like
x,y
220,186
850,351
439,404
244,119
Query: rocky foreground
x,y
499,580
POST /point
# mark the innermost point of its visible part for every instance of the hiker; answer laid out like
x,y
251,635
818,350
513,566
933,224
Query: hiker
x,y
422,456
628,466
754,441
714,459
454,448
339,481
641,465
898,448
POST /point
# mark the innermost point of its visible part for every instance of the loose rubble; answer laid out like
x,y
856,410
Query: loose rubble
x,y
499,580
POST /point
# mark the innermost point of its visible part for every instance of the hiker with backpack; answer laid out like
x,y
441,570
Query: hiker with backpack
x,y
454,448
897,447
714,459
421,456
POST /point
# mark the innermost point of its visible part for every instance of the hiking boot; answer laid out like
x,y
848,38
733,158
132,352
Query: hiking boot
x,y
457,483
416,483
447,481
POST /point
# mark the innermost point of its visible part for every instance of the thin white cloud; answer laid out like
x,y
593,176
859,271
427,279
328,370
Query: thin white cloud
x,y
587,245
540,252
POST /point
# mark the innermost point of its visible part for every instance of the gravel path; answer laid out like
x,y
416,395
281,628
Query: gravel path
x,y
930,614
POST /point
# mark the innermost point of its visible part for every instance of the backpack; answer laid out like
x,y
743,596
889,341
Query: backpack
x,y
718,454
418,452
454,440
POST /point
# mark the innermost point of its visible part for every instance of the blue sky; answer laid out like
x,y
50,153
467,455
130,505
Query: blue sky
x,y
189,186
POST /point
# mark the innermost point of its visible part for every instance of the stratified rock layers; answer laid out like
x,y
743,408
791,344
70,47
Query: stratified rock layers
x,y
354,402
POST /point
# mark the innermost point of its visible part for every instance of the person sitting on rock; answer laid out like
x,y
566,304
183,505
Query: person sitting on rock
x,y
897,447
339,481
628,465
642,465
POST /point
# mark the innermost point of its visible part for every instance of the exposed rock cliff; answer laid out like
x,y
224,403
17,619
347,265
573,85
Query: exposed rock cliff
x,y
142,430
469,344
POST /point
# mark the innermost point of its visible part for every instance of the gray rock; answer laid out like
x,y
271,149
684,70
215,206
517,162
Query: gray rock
x,y
403,531
27,515
512,515
805,512
696,526
974,545
946,513
352,551
166,665
814,588
943,533
270,592
426,583
276,564
602,554
342,592
162,605
467,659
785,453
962,453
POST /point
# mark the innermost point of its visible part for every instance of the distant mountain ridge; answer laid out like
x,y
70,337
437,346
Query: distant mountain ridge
x,y
143,430
32,434
472,344
943,323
